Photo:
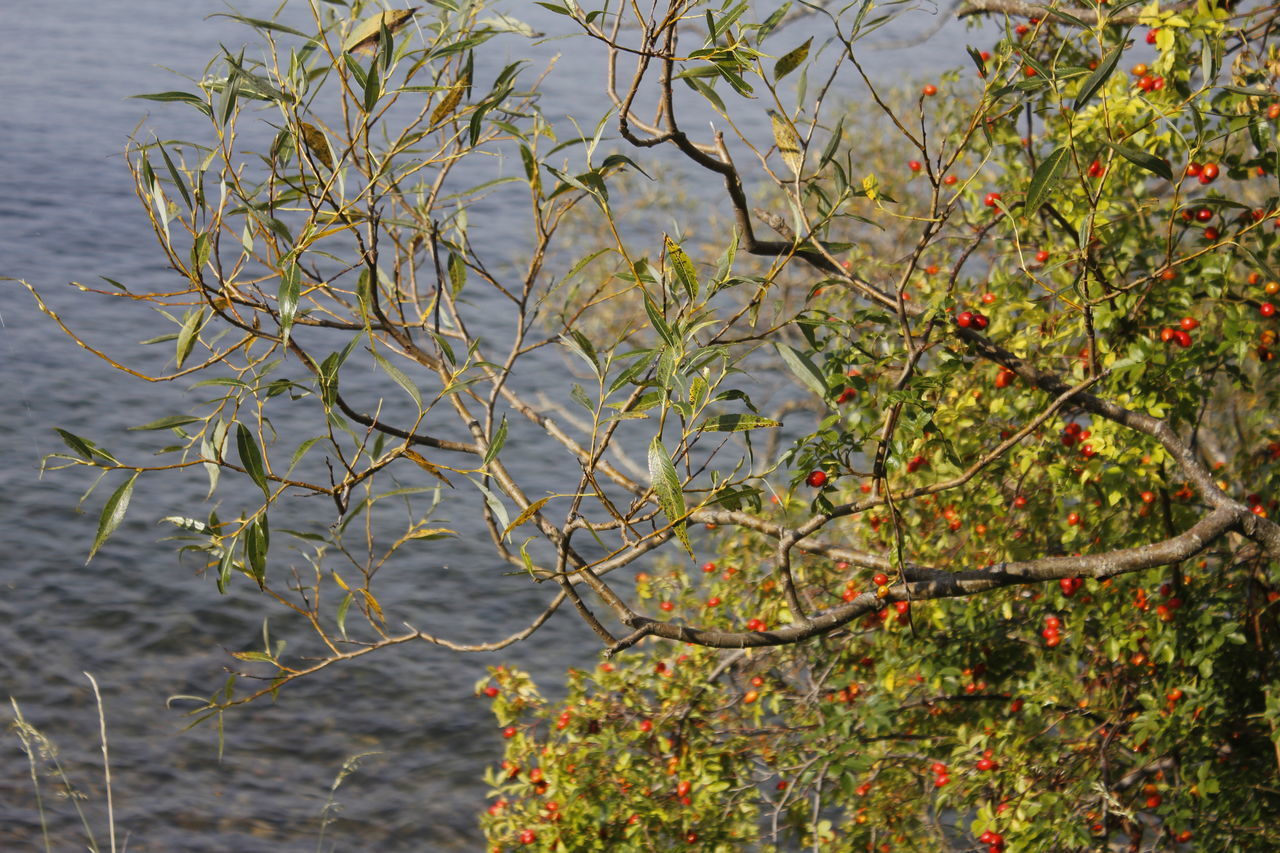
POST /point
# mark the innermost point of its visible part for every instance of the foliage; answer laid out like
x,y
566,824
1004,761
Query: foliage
x,y
1016,580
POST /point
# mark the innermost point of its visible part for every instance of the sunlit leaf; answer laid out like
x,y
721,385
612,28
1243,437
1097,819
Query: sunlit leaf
x,y
788,142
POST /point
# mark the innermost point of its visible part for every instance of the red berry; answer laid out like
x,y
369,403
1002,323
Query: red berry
x,y
980,321
817,478
930,90
1193,169
1189,323
1042,256
1096,170
1166,335
1212,233
1073,518
1209,173
509,732
950,180
1266,309
683,787
1203,214
491,691
985,764
667,606
528,836
991,199
880,579
1182,339
914,165
964,319
1151,36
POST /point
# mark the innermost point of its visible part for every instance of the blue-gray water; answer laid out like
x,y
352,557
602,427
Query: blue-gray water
x,y
137,618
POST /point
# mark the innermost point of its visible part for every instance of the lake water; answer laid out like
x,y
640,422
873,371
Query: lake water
x,y
138,619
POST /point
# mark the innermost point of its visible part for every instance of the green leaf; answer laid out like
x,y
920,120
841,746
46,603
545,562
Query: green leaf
x,y
183,97
81,447
1143,160
666,487
287,297
226,564
256,542
258,23
495,446
192,323
400,378
251,458
685,272
579,344
1098,77
1044,178
736,423
168,422
177,179
113,513
659,322
792,60
804,369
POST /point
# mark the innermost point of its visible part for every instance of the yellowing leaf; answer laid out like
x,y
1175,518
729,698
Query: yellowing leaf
x,y
526,514
317,144
373,604
364,38
788,142
422,462
684,269
871,186
450,103
792,60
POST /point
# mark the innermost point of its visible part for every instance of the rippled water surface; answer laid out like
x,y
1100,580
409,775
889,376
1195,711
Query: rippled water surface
x,y
137,618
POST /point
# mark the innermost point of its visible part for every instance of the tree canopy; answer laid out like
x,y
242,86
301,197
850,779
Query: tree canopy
x,y
910,453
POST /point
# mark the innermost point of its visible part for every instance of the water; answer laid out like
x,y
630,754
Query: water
x,y
139,619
